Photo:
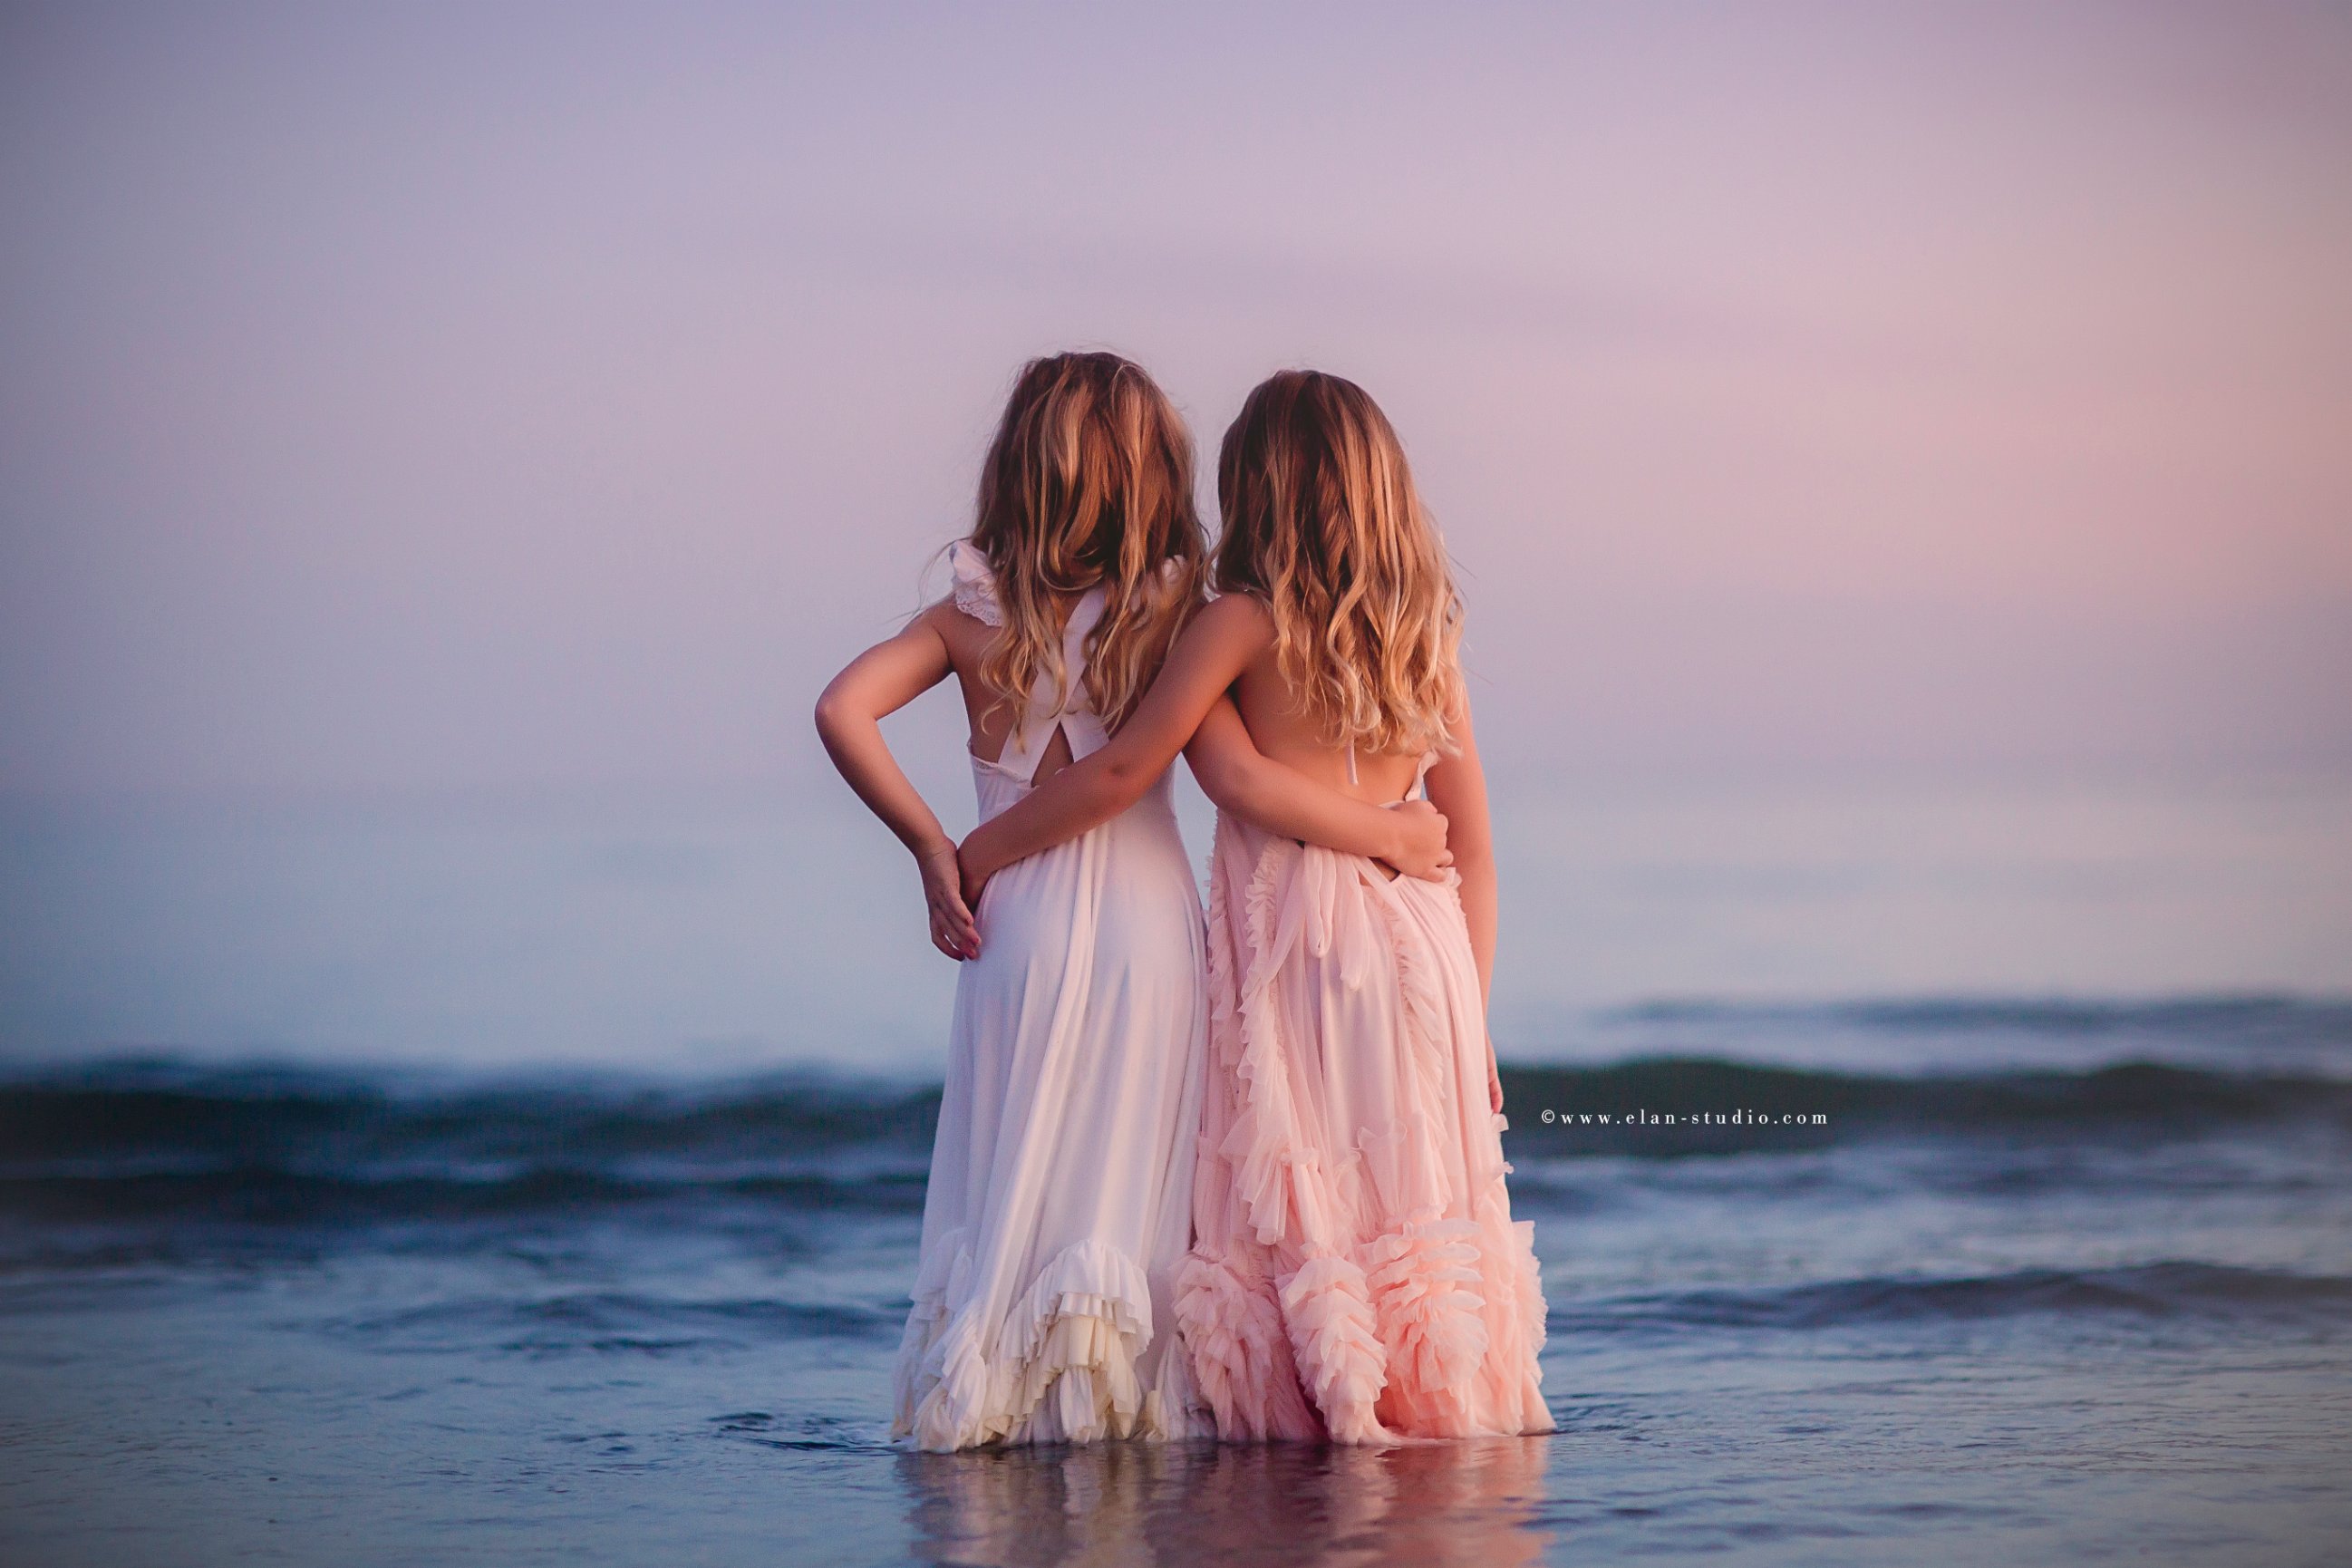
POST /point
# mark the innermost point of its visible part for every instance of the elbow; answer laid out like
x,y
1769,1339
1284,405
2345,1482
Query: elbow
x,y
1232,802
1223,786
833,716
1123,783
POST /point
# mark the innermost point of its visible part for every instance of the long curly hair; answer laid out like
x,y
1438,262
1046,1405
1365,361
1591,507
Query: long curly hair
x,y
1088,480
1323,526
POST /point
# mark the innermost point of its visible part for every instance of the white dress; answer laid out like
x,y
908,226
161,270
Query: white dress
x,y
1060,1199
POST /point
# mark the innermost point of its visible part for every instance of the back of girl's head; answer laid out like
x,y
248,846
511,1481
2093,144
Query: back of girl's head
x,y
1089,480
1322,524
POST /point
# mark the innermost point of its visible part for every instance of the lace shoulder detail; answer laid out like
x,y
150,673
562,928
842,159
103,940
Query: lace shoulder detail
x,y
975,585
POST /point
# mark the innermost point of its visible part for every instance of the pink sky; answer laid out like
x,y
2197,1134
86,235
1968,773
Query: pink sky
x,y
419,399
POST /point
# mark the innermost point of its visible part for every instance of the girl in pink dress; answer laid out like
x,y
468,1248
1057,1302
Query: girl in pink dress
x,y
1355,1272
1060,1201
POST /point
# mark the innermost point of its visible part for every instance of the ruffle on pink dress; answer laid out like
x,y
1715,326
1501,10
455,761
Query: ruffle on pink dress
x,y
1355,1272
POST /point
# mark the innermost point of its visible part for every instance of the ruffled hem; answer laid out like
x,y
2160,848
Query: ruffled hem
x,y
1429,1328
1429,1332
1233,1333
1065,1365
1335,1338
1424,1279
1511,1277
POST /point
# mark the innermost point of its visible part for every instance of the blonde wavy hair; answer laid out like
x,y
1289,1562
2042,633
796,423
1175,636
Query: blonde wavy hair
x,y
1088,480
1323,526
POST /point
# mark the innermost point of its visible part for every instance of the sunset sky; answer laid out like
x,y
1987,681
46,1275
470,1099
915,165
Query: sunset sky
x,y
445,398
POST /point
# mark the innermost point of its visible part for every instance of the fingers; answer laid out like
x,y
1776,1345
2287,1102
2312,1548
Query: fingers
x,y
955,932
944,938
957,916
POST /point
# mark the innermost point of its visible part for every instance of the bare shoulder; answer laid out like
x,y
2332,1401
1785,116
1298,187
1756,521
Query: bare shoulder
x,y
1236,618
965,635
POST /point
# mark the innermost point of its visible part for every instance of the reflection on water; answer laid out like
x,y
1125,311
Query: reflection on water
x,y
1469,1502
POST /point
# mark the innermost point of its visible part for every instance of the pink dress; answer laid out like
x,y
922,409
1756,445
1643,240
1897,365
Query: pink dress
x,y
1355,1272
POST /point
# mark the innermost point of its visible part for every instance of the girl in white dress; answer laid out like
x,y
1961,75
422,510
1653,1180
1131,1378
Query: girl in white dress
x,y
1059,1207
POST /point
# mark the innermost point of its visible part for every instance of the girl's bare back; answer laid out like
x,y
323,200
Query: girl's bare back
x,y
968,640
1289,734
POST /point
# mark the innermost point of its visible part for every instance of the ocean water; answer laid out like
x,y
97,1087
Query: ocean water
x,y
493,1184
1983,1314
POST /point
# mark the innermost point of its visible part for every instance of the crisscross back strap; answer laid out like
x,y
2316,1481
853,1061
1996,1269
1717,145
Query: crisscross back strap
x,y
1074,716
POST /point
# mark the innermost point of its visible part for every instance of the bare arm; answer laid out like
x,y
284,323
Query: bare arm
x,y
849,713
1207,658
1457,785
1220,642
1243,780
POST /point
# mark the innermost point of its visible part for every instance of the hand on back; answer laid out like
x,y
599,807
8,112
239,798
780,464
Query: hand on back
x,y
953,929
1425,851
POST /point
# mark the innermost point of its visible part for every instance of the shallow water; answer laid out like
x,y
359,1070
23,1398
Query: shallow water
x,y
1979,1314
